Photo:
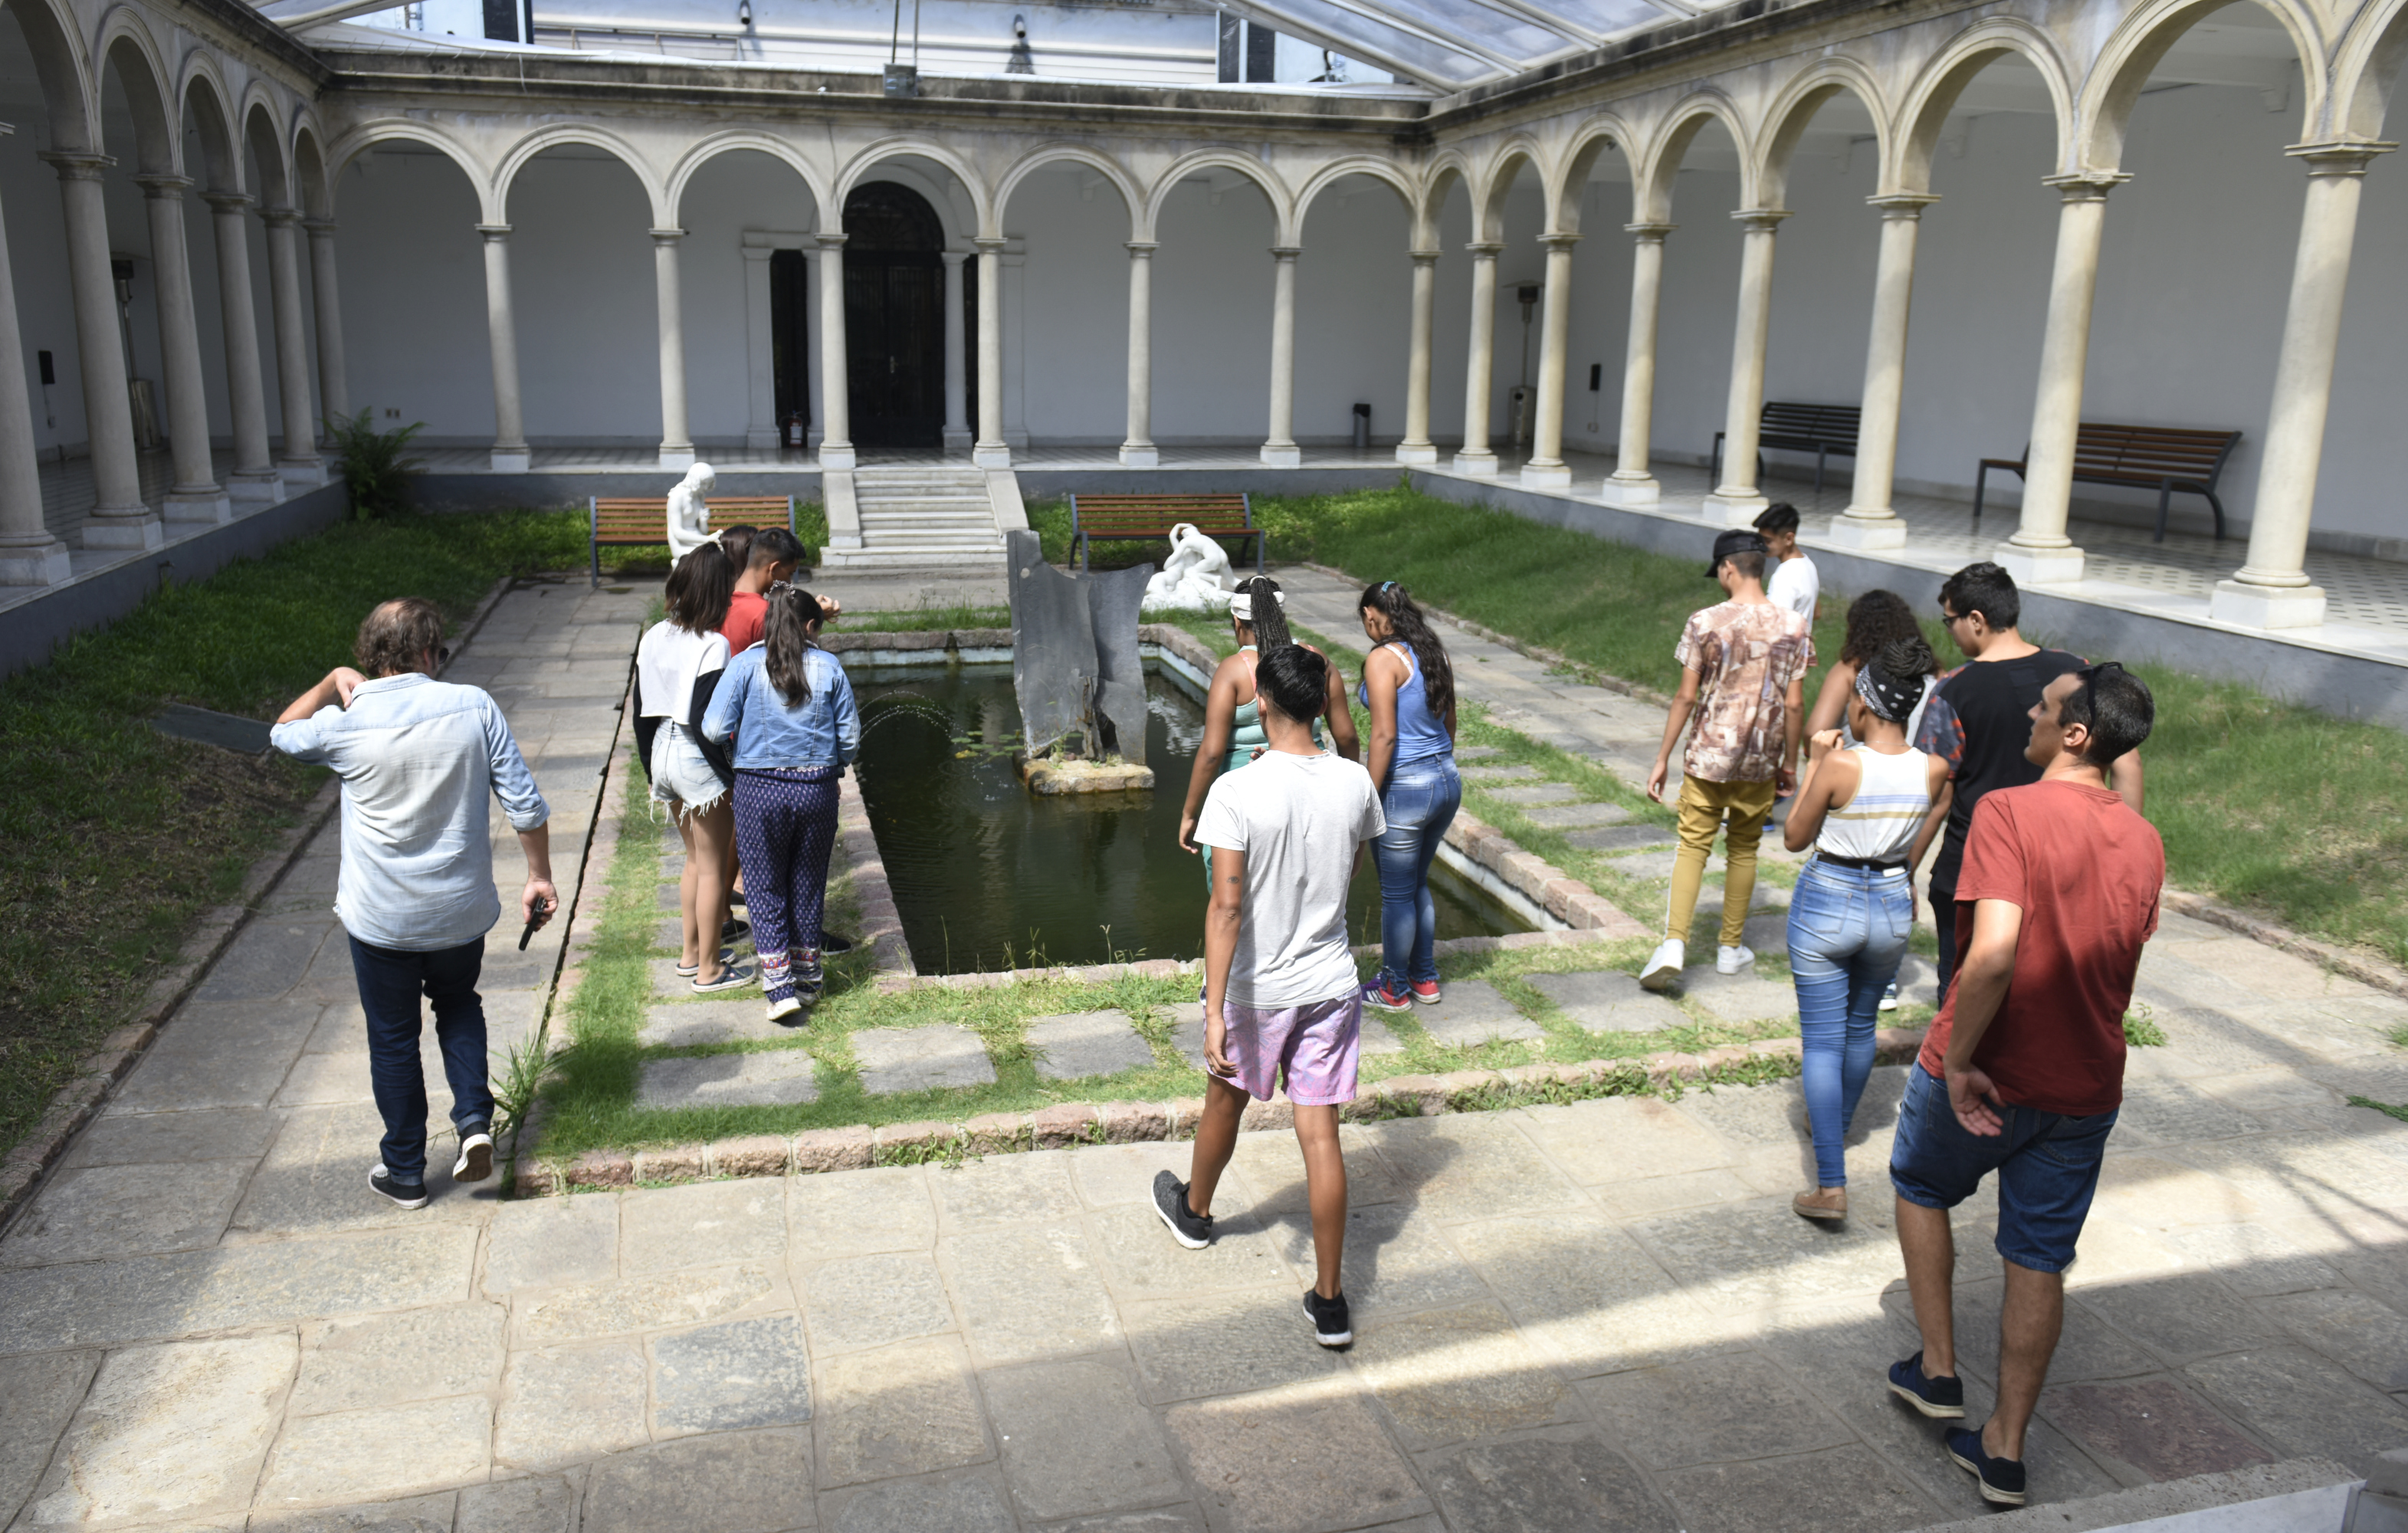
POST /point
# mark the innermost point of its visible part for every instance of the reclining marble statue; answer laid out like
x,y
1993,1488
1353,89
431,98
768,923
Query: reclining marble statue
x,y
1077,673
1195,578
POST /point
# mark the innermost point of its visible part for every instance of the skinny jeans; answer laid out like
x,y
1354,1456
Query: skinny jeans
x,y
1847,935
390,982
1418,804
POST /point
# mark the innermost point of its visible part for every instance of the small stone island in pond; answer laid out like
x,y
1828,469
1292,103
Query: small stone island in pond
x,y
1049,776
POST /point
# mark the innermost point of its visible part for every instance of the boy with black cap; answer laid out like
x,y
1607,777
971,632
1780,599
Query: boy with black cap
x,y
1743,664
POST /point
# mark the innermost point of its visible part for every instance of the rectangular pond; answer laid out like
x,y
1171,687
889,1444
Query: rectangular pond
x,y
988,876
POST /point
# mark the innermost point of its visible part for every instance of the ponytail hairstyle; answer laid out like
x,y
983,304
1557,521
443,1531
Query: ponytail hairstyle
x,y
786,638
1264,618
1407,625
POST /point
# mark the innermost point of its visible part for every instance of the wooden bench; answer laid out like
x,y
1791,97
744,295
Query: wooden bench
x,y
1824,430
1113,518
2160,458
644,521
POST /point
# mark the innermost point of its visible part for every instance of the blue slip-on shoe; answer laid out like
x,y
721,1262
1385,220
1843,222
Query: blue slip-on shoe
x,y
1942,1398
2001,1479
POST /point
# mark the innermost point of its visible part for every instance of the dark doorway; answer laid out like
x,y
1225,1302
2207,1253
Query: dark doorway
x,y
790,343
893,317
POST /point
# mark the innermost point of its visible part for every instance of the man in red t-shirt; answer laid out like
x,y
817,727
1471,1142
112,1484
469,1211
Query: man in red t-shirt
x,y
774,555
2023,1072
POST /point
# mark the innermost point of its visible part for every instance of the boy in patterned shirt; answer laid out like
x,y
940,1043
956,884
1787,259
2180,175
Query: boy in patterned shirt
x,y
1743,664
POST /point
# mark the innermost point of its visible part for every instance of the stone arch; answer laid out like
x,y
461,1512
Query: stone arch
x,y
1132,200
1596,135
782,151
262,132
1273,189
316,197
2367,70
1934,95
1804,95
1451,168
2122,69
1352,164
1496,180
1651,202
126,43
67,75
535,143
203,96
862,165
365,136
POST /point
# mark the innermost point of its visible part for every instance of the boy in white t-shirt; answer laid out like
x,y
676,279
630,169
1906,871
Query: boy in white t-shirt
x,y
1281,995
1795,583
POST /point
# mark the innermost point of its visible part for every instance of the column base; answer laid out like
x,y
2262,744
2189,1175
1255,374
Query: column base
x,y
1735,510
210,506
301,473
1546,475
1630,494
677,459
1867,531
1478,465
2267,606
958,441
762,438
44,563
133,529
1140,455
1417,453
511,460
836,457
991,455
261,486
2039,567
1282,455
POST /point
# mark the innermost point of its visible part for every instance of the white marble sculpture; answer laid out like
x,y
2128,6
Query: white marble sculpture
x,y
690,511
1195,578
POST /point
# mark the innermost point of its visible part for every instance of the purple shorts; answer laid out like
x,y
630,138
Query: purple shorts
x,y
1316,1047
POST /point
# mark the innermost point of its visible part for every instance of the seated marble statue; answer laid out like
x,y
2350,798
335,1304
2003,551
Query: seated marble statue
x,y
690,512
1196,578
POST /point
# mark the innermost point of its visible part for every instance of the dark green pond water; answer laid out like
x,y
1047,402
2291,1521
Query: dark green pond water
x,y
988,875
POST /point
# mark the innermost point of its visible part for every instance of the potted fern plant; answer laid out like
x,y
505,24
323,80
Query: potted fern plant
x,y
376,466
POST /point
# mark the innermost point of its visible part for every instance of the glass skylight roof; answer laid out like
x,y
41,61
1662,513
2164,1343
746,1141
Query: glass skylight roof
x,y
1455,44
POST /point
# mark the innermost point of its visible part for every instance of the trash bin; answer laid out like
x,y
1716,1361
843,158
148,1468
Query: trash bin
x,y
1362,427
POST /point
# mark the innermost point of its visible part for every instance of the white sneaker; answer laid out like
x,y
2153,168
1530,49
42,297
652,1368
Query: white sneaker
x,y
781,1009
1731,960
476,1162
1889,1000
1663,971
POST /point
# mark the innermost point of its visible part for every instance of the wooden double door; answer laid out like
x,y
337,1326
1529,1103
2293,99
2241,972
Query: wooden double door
x,y
895,317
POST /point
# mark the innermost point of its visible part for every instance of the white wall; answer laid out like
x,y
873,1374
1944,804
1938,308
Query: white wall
x,y
411,271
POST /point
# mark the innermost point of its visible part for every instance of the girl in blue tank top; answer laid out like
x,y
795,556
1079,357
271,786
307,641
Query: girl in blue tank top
x,y
1409,689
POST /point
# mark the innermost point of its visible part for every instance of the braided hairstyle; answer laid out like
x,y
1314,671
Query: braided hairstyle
x,y
1407,625
1269,622
786,638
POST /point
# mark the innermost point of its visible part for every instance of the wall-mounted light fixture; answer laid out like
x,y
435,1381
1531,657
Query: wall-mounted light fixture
x,y
744,14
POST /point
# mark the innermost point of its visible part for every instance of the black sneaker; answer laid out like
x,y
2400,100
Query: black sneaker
x,y
1331,1325
1941,1399
407,1194
1189,1228
2001,1479
809,979
733,931
476,1162
831,945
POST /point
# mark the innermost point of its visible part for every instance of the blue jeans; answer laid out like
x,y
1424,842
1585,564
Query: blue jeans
x,y
1847,935
390,982
1419,803
2047,1164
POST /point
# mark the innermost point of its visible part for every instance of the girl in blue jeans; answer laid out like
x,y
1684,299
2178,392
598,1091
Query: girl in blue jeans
x,y
1869,812
1409,688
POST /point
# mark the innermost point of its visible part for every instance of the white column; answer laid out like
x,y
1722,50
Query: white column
x,y
300,462
2271,590
957,366
990,451
29,554
1278,443
1476,456
1546,469
254,476
1870,522
815,383
1631,484
509,455
836,401
1737,500
1139,451
1416,447
196,496
762,430
334,386
677,446
2040,553
1014,287
119,519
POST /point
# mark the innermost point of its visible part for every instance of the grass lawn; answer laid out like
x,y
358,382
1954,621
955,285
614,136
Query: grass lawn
x,y
2291,812
113,836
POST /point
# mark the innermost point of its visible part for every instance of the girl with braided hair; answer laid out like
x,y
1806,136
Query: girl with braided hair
x,y
1233,721
1409,688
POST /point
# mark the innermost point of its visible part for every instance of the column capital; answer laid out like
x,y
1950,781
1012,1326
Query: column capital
x,y
1425,258
1560,241
320,228
1649,233
2087,185
1484,249
1141,249
75,165
163,185
228,202
2340,157
833,242
494,234
1287,252
992,245
1766,218
666,237
281,218
1902,203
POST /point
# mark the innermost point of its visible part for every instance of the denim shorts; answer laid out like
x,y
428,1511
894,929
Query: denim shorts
x,y
2047,1164
681,775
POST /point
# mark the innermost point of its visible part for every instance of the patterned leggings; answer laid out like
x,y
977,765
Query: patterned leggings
x,y
785,825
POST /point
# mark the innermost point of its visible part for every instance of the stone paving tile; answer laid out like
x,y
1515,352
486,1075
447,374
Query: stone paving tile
x,y
1226,1343
970,1501
1618,1137
2149,1429
1620,838
418,1354
1293,1461
566,1407
415,1514
684,1025
1591,1296
264,960
2302,1403
899,1410
551,1243
885,1209
1273,1181
1606,1002
1144,1262
1449,1376
230,1056
1647,867
639,1304
125,1211
1001,1191
1763,1253
1084,1043
1714,1410
179,1429
1744,997
398,1451
1178,1519
1501,774
732,1483
2180,1316
172,1139
894,1059
1029,1294
1841,1489
39,1395
1536,792
730,1377
530,1504
1574,816
1076,1440
2363,1334
1475,1013
1110,1174
777,1076
315,1177
2090,1347
706,1223
874,1301
1395,1259
1561,1477
1469,1166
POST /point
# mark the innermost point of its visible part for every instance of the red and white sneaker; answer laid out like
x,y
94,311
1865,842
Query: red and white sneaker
x,y
1426,992
1378,996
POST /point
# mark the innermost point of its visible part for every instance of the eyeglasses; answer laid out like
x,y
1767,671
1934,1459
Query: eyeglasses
x,y
1949,619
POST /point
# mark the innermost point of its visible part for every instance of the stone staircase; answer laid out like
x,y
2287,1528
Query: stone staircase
x,y
914,518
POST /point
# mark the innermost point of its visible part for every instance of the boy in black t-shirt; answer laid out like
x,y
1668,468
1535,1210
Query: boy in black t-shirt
x,y
1979,720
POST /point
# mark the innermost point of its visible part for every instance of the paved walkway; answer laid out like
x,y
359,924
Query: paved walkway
x,y
1594,1315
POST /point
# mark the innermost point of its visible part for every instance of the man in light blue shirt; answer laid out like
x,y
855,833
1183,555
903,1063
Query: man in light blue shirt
x,y
417,758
